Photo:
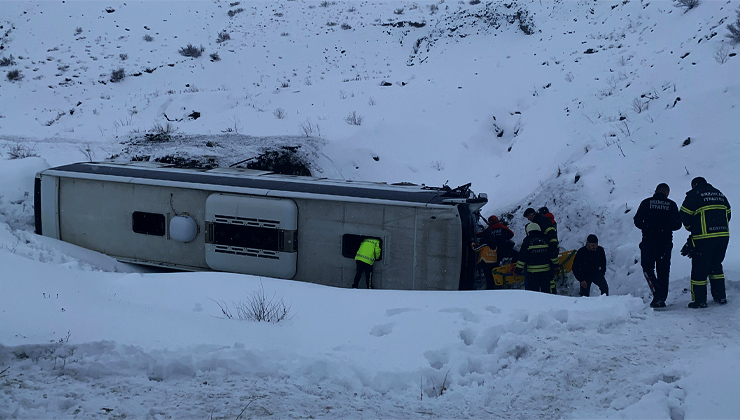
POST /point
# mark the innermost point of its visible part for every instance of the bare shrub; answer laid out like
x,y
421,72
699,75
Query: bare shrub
x,y
433,8
160,133
687,4
398,11
223,36
310,130
257,307
215,57
191,51
78,30
14,75
88,152
279,113
474,2
148,38
235,126
7,61
734,29
21,151
722,54
117,75
353,118
346,26
371,101
123,56
330,24
639,105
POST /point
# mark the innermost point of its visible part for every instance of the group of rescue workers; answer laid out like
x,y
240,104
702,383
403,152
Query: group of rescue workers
x,y
705,213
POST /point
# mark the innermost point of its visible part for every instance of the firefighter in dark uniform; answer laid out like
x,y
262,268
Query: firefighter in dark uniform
x,y
657,218
547,227
705,213
536,261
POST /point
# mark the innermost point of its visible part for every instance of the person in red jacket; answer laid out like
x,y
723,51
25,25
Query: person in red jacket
x,y
496,235
551,217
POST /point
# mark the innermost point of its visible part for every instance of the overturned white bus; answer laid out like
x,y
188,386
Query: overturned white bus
x,y
262,223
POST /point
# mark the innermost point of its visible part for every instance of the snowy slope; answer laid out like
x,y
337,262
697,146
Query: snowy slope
x,y
603,101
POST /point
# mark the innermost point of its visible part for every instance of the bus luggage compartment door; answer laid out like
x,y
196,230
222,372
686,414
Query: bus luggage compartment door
x,y
252,235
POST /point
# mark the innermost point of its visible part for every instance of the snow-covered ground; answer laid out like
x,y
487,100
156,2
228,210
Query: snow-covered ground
x,y
586,115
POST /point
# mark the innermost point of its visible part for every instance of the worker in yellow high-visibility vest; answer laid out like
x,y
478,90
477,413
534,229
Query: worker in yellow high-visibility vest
x,y
368,253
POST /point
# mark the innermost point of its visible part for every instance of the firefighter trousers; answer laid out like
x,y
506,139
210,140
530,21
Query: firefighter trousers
x,y
707,262
656,257
540,282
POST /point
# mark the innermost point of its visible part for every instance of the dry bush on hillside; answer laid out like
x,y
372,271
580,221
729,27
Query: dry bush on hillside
x,y
7,61
223,36
687,4
734,29
14,75
117,75
191,51
21,151
353,118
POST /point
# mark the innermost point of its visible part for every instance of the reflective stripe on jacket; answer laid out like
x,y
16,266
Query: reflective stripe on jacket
x,y
706,213
486,254
535,254
369,251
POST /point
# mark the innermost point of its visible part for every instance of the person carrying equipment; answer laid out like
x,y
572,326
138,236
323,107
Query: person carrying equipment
x,y
536,261
494,246
548,229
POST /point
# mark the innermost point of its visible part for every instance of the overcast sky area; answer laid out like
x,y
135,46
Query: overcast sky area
x,y
580,106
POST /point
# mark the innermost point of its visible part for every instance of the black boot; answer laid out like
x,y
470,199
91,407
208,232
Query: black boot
x,y
721,301
697,305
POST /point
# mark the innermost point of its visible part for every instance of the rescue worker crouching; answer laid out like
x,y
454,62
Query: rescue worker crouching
x,y
367,254
536,261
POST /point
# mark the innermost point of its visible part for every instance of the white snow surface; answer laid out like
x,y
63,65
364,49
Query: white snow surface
x,y
595,107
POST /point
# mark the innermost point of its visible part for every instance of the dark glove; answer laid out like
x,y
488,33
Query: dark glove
x,y
688,249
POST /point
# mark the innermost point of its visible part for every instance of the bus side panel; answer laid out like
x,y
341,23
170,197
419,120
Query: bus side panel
x,y
438,249
322,227
99,215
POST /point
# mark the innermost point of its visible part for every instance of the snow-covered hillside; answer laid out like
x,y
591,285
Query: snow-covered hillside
x,y
582,106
